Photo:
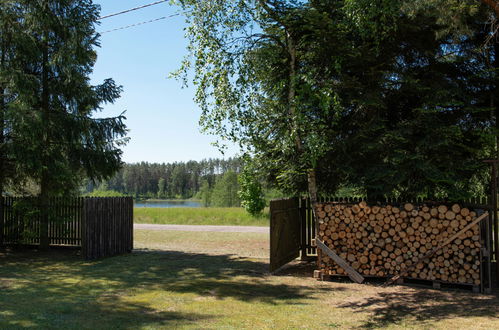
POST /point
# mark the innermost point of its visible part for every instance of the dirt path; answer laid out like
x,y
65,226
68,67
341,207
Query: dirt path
x,y
223,229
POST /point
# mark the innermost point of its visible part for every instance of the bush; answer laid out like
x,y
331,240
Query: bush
x,y
251,193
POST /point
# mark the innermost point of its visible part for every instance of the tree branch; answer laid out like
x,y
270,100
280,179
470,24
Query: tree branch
x,y
493,4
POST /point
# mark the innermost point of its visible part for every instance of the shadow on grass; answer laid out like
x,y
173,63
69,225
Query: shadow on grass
x,y
424,305
395,305
58,289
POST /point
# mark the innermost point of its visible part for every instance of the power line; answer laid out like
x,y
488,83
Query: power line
x,y
132,9
141,23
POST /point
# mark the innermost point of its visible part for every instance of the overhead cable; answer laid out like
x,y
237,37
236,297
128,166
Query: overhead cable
x,y
141,23
132,9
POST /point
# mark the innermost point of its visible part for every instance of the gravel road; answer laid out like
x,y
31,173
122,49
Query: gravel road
x,y
222,229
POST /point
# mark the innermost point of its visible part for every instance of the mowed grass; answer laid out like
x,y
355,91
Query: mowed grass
x,y
248,245
228,216
193,280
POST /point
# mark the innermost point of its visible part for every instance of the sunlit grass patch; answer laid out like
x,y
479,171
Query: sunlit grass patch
x,y
198,280
229,216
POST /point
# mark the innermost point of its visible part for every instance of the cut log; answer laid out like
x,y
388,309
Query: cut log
x,y
408,207
388,240
446,242
442,209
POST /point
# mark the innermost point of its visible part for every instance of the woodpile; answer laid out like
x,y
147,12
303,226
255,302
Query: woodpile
x,y
383,241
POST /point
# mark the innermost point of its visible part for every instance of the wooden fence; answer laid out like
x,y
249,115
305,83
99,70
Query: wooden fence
x,y
108,227
285,232
99,226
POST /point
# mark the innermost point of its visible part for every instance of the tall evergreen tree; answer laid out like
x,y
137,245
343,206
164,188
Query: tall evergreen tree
x,y
8,20
58,138
161,188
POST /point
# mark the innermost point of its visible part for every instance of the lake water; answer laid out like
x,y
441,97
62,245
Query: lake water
x,y
166,204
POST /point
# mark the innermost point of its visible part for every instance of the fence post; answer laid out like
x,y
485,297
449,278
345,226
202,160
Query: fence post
x,y
2,218
83,229
493,223
130,221
303,228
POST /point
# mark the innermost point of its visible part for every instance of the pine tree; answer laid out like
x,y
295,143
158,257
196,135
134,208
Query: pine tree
x,y
161,188
8,19
58,138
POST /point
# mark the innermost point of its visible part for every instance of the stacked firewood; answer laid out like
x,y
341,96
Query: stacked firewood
x,y
386,240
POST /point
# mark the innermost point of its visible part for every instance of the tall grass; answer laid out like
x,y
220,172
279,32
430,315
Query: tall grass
x,y
228,216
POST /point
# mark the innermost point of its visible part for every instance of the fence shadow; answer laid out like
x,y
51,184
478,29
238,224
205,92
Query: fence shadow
x,y
59,283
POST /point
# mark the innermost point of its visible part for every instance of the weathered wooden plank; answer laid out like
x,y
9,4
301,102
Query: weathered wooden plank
x,y
352,273
2,219
83,230
130,223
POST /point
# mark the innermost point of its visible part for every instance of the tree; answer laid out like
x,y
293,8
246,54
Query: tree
x,y
456,15
179,181
229,69
58,138
331,89
8,19
225,191
205,193
430,108
251,192
161,188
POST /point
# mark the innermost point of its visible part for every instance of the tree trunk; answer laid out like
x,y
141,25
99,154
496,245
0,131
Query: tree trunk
x,y
496,110
45,179
495,95
311,173
43,204
311,179
3,105
4,48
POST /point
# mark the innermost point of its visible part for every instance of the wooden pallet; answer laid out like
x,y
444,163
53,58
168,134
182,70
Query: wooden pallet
x,y
319,275
440,284
405,280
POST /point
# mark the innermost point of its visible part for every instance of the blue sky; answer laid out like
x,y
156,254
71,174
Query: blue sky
x,y
161,116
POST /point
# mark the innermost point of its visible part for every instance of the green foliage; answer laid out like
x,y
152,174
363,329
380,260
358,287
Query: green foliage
x,y
251,192
390,98
105,193
453,16
205,193
25,210
272,193
161,188
56,137
167,180
225,191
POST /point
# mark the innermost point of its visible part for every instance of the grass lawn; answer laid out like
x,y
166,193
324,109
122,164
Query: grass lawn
x,y
228,216
214,281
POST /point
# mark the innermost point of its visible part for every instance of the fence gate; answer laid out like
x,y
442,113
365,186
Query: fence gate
x,y
284,232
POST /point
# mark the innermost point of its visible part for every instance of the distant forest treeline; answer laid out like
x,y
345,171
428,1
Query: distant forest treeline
x,y
166,180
